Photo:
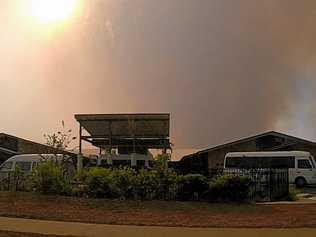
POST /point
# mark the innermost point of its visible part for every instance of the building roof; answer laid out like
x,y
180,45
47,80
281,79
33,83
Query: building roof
x,y
278,134
10,151
148,130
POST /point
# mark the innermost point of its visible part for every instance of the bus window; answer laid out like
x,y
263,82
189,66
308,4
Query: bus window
x,y
304,164
24,165
233,162
311,160
260,162
117,163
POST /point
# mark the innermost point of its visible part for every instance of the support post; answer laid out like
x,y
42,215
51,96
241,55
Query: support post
x,y
79,157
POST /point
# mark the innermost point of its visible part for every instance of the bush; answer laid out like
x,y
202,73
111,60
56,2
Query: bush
x,y
192,186
49,178
230,188
100,183
124,182
292,195
146,185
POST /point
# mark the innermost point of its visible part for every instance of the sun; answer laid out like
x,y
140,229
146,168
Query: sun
x,y
50,11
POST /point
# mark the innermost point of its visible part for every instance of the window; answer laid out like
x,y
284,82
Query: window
x,y
260,162
24,165
35,164
304,164
312,161
7,166
140,163
121,163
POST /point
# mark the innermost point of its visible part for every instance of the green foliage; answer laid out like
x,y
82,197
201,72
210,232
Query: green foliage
x,y
230,188
167,178
61,140
100,183
124,182
292,195
146,184
192,186
161,163
48,178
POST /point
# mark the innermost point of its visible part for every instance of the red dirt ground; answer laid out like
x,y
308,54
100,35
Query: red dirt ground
x,y
161,213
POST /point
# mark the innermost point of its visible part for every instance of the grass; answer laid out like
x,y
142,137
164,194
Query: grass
x,y
155,213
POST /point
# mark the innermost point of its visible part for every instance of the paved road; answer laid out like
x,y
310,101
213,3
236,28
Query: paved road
x,y
97,230
310,190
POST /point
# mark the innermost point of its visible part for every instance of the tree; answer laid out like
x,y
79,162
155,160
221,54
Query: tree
x,y
61,140
60,143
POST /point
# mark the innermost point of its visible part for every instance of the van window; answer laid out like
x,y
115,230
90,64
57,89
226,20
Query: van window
x,y
140,163
260,162
7,166
34,165
304,164
118,163
24,165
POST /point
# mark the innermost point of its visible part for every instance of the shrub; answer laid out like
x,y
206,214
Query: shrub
x,y
100,183
292,195
230,188
146,185
124,182
48,178
192,186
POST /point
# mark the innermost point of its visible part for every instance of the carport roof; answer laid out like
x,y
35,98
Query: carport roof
x,y
148,130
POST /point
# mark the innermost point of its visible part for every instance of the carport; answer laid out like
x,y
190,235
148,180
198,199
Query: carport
x,y
129,133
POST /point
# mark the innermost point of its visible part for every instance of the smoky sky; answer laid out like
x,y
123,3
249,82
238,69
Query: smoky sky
x,y
224,69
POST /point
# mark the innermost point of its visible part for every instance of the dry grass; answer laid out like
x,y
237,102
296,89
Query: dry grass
x,y
161,213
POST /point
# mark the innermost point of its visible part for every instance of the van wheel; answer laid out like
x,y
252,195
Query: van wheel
x,y
300,182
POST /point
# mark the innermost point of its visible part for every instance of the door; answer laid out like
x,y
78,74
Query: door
x,y
304,169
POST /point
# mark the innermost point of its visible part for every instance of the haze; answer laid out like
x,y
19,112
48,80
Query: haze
x,y
224,69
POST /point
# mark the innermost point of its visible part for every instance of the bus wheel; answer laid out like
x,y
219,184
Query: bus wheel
x,y
300,182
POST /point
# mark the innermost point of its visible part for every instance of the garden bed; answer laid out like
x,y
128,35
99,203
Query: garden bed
x,y
156,213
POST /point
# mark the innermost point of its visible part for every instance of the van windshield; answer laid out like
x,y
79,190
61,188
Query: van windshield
x,y
312,161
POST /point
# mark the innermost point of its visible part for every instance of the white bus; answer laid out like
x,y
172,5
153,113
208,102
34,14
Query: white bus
x,y
302,165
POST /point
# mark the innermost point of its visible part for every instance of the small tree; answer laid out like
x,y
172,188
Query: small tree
x,y
60,141
60,144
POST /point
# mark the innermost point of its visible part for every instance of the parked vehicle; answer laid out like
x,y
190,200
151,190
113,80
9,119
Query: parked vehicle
x,y
301,165
27,162
116,160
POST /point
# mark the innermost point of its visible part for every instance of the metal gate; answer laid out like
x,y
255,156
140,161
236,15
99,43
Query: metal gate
x,y
268,184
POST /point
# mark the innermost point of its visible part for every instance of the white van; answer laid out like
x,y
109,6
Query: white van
x,y
302,165
26,162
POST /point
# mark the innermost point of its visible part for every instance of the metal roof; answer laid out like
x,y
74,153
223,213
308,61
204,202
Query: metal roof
x,y
278,134
148,130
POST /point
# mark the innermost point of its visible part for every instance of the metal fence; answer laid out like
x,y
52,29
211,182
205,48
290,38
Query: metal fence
x,y
9,181
268,184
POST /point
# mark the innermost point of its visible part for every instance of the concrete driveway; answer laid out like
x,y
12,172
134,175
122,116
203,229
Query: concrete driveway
x,y
308,193
98,230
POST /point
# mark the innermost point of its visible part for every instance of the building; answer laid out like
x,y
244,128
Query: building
x,y
11,145
123,139
205,161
